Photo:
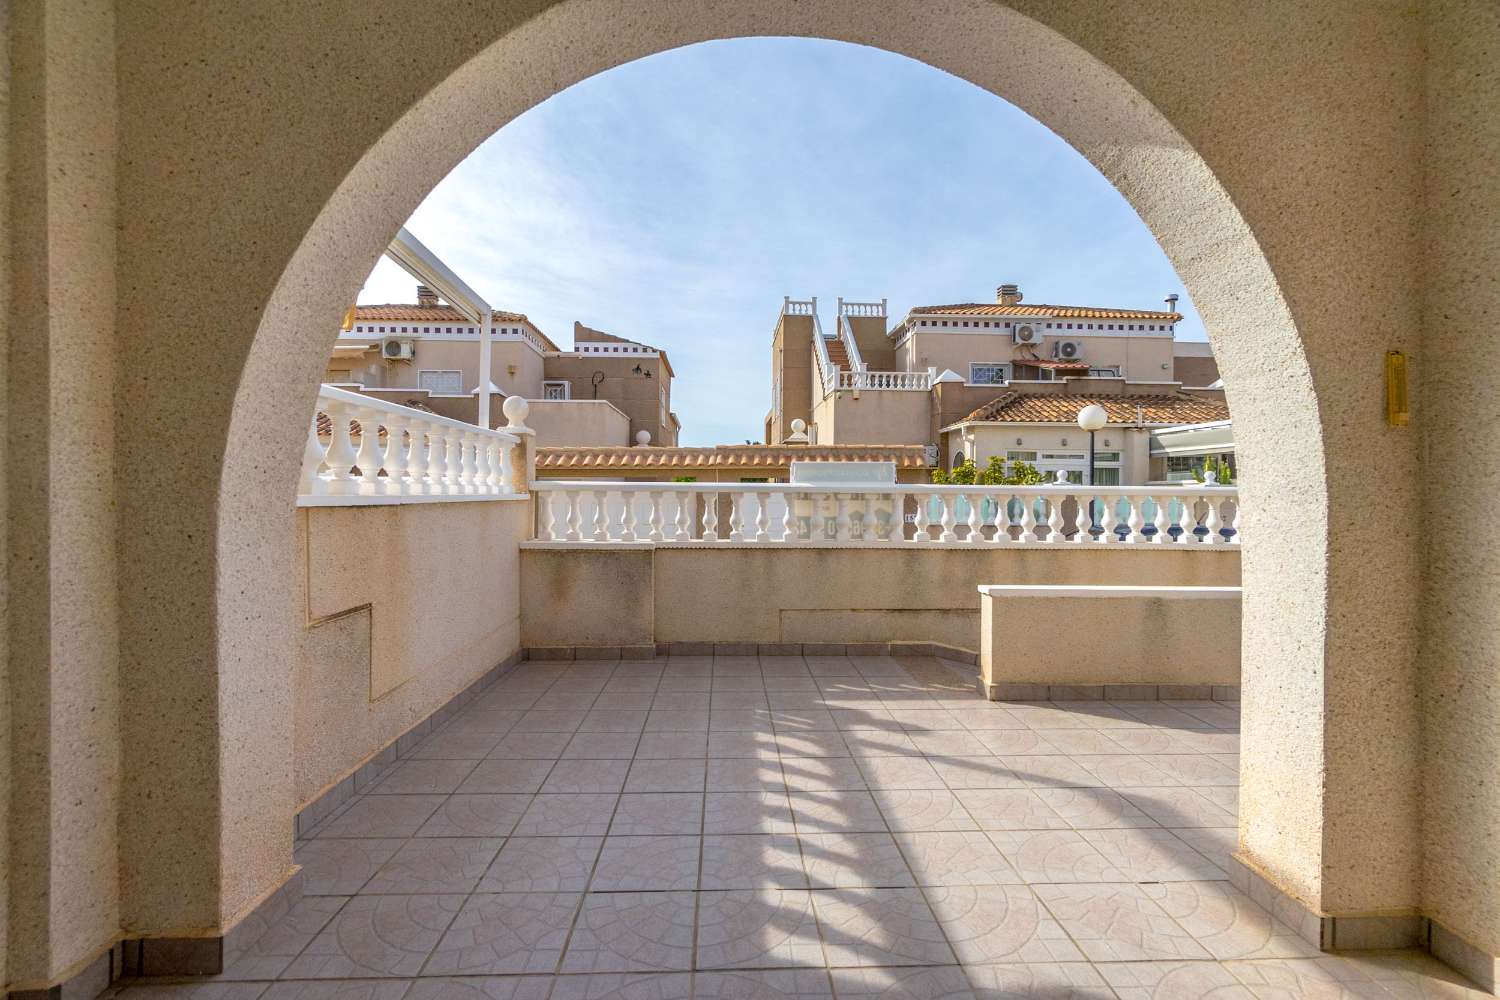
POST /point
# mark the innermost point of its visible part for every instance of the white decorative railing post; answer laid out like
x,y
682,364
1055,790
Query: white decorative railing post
x,y
896,533
1212,523
1136,520
312,462
789,532
469,459
1083,519
687,506
394,460
341,454
736,516
762,517
627,520
976,517
710,516
1161,522
1107,521
1234,524
367,458
656,516
1028,519
601,519
575,517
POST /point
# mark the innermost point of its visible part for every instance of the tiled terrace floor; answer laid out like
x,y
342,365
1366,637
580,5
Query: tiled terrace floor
x,y
812,827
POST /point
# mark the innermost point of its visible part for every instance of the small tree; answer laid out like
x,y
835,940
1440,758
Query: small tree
x,y
995,473
963,474
1223,474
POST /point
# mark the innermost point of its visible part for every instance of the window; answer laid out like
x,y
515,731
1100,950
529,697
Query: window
x,y
1104,373
1107,457
1021,456
555,390
441,383
989,374
336,375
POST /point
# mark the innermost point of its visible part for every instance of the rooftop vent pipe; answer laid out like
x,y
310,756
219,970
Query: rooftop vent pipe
x,y
1008,295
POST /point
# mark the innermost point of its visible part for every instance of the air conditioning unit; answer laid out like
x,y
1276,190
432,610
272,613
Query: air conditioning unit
x,y
1028,334
1067,350
395,349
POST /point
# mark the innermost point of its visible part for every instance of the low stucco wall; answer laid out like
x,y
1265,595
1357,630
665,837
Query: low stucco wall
x,y
626,595
1108,639
578,422
406,606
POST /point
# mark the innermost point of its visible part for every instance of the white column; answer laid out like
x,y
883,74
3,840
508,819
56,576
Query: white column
x,y
486,329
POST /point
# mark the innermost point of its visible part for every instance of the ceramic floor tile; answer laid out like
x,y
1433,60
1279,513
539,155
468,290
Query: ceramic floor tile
x,y
1151,855
647,864
567,815
941,982
1040,856
505,933
666,775
1217,844
880,744
836,812
674,721
283,940
1227,922
459,745
1084,742
329,989
880,927
481,988
923,809
1009,809
742,744
949,743
762,984
530,746
955,858
671,744
382,816
658,813
625,986
1195,770
587,776
614,719
632,931
341,867
377,937
1051,771
813,743
435,865
476,816
1094,808
975,772
747,812
757,928
1414,975
495,774
681,701
745,774
1053,981
1117,923
1312,978
817,774
602,745
742,719
1178,807
752,861
542,864
854,860
1126,770
899,772
542,721
999,923
1016,742
1173,981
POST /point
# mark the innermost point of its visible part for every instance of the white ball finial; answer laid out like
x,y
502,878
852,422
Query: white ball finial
x,y
1062,478
1092,417
799,426
515,409
642,438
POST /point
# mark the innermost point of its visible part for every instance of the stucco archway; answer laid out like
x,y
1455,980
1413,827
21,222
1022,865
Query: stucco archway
x,y
1117,95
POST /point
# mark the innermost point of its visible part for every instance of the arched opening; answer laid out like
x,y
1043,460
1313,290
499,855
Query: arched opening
x,y
1071,85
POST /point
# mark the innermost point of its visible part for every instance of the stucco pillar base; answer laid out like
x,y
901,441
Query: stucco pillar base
x,y
1364,931
84,984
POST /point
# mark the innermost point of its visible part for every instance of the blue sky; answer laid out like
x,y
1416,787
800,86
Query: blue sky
x,y
675,201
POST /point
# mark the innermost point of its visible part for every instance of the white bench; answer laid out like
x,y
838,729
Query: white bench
x,y
1095,642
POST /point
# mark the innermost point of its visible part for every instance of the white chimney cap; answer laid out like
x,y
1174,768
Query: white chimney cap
x,y
949,375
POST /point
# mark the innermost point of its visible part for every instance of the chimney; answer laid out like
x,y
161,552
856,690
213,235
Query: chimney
x,y
426,296
1172,302
1008,295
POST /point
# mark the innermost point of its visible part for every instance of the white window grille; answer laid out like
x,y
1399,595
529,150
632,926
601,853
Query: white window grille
x,y
441,382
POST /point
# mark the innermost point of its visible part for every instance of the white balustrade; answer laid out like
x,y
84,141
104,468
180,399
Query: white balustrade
x,y
421,454
591,512
908,381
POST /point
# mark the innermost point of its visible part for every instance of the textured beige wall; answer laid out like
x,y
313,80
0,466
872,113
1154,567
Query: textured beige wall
x,y
577,422
1259,143
1110,640
1461,640
747,594
875,417
1139,358
64,727
406,606
638,397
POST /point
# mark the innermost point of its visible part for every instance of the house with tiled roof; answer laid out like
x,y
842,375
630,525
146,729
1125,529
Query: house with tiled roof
x,y
947,375
607,390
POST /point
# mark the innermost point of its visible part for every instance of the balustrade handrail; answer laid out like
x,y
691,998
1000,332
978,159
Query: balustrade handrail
x,y
826,368
919,381
424,454
846,334
600,512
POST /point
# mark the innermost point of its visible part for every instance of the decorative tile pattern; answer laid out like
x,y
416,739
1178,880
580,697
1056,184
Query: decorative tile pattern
x,y
341,867
752,861
999,923
582,815
1227,922
631,932
377,936
854,860
1117,923
435,865
505,933
757,928
542,864
476,816
880,927
658,813
962,858
646,864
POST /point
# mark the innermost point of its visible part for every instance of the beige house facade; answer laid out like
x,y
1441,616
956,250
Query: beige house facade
x,y
427,354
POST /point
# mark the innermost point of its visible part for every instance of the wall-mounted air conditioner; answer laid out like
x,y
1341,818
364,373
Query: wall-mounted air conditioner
x,y
1067,350
396,349
1027,334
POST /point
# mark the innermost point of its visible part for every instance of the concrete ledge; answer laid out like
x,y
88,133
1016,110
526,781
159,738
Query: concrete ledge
x,y
1069,642
1376,932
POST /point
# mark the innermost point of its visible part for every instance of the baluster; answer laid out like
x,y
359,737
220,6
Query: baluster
x,y
601,516
736,517
312,483
437,460
627,517
947,518
1180,520
1028,518
1212,522
789,532
1083,520
506,470
1161,521
685,502
487,459
710,517
762,516
341,455
923,520
1055,519
1107,521
368,457
1235,522
470,467
656,535
1136,520
976,518
841,526
453,466
416,458
548,499
896,532
395,457
575,517
499,465
867,519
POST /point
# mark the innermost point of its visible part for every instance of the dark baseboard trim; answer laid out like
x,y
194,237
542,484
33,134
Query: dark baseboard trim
x,y
85,984
1008,691
649,651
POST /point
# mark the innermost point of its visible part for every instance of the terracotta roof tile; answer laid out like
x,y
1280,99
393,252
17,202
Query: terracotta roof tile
x,y
1040,309
409,313
725,456
1029,408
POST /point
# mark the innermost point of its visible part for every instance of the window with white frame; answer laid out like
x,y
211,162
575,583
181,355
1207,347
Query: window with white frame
x,y
555,390
988,373
1104,372
441,382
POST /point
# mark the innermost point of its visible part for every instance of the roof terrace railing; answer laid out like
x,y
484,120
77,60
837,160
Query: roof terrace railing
x,y
780,514
362,450
876,309
917,381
